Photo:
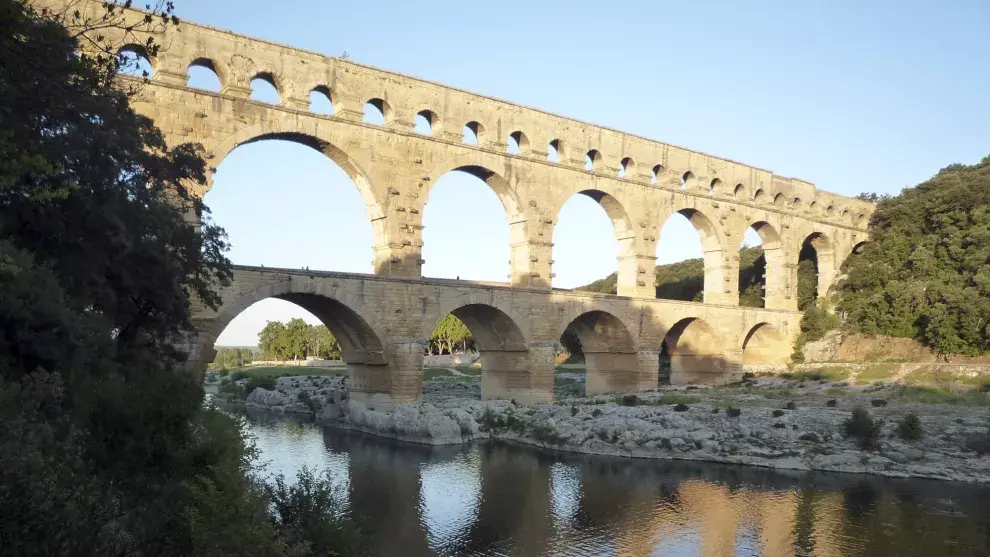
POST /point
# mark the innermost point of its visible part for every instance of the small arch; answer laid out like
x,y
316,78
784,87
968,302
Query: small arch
x,y
592,160
202,74
830,211
320,101
796,203
710,266
377,112
265,89
779,200
655,173
764,345
517,143
813,207
554,152
687,180
611,362
845,214
762,280
425,122
860,218
739,192
472,133
627,168
715,187
758,195
696,353
134,60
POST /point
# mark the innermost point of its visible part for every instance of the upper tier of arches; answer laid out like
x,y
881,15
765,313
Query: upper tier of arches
x,y
531,133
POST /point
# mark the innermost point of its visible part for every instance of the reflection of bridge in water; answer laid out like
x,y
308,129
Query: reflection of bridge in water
x,y
502,500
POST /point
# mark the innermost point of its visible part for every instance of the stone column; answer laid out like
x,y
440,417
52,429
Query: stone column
x,y
636,277
519,375
649,369
370,384
406,362
612,372
399,233
721,277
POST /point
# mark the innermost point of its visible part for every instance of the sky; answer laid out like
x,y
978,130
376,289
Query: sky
x,y
852,96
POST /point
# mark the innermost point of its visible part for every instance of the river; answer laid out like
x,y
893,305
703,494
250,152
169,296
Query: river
x,y
492,499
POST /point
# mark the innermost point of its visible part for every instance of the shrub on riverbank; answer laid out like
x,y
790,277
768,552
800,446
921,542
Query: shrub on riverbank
x,y
863,428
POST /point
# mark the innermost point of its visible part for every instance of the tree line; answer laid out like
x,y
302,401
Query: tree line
x,y
106,447
297,340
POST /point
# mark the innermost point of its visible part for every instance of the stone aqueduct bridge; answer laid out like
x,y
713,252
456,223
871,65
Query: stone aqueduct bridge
x,y
382,320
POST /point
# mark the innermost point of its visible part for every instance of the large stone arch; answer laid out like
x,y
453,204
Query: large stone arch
x,y
610,353
764,345
628,240
364,342
713,252
696,353
824,261
382,228
499,334
777,285
515,212
362,338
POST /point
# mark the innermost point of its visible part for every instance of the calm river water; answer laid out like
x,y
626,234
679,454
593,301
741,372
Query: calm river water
x,y
494,499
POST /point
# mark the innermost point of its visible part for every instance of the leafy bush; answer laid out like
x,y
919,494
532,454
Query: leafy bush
x,y
733,412
627,400
574,410
791,406
831,403
681,408
546,434
239,375
910,427
777,413
253,383
779,425
863,428
596,412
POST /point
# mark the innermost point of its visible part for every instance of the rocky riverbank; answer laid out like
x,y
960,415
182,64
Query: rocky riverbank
x,y
794,423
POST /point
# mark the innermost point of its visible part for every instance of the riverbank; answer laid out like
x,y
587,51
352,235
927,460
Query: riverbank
x,y
795,423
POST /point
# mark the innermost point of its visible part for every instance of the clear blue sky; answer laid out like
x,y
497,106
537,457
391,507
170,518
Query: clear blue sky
x,y
852,96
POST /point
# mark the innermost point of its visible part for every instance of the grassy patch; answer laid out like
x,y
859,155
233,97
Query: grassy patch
x,y
826,373
469,370
876,373
432,373
674,398
935,395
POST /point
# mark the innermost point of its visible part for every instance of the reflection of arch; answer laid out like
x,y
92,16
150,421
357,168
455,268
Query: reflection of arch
x,y
712,252
362,339
610,355
696,353
374,208
764,345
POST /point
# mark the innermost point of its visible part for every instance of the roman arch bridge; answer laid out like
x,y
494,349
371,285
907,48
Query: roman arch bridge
x,y
383,320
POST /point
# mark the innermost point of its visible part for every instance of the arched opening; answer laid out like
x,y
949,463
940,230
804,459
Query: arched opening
x,y
830,211
655,173
471,135
377,112
133,60
759,195
779,200
297,336
689,258
627,168
553,151
592,160
263,89
796,204
761,268
845,214
490,335
517,143
425,122
739,192
696,354
590,228
815,269
469,223
715,187
609,349
292,201
202,74
320,101
764,345
813,207
687,181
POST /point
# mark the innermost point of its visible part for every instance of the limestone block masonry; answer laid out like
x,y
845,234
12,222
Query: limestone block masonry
x,y
383,320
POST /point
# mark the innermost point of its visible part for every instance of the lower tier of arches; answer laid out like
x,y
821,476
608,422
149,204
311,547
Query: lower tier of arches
x,y
628,345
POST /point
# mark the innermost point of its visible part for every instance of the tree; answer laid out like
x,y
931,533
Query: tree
x,y
450,331
271,341
925,274
105,446
323,343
